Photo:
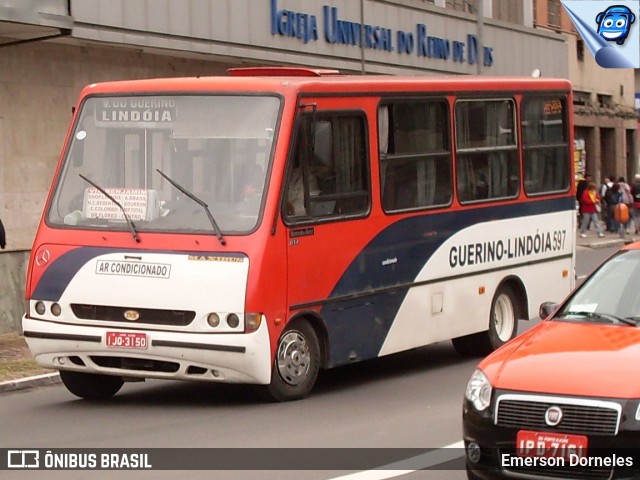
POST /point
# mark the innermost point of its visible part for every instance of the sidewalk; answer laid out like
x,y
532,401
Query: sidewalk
x,y
609,240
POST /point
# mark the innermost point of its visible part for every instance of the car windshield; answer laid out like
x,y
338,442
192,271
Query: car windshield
x,y
167,163
609,295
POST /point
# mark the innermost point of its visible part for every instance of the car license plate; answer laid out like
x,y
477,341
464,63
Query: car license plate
x,y
126,340
545,444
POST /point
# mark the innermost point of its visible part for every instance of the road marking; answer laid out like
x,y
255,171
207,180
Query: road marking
x,y
419,462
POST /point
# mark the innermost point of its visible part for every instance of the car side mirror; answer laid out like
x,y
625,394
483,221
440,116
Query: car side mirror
x,y
547,309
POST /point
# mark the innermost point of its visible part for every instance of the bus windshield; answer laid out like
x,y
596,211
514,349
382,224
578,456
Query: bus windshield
x,y
139,149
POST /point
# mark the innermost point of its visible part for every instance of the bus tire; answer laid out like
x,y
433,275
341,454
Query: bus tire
x,y
503,325
91,386
296,364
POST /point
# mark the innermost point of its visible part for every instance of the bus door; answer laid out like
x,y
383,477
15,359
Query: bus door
x,y
326,209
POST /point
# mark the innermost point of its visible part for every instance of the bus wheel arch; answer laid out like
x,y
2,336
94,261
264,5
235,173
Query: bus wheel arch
x,y
300,353
509,304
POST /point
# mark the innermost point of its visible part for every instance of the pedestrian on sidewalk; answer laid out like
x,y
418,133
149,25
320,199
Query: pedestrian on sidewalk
x,y
627,198
635,209
590,206
580,188
607,183
612,199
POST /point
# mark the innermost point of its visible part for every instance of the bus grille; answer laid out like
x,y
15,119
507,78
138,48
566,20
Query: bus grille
x,y
580,419
151,316
126,363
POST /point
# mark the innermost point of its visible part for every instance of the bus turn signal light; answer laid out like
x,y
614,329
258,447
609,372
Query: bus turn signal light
x,y
252,322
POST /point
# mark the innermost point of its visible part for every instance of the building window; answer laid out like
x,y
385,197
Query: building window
x,y
553,13
467,6
580,50
581,98
605,101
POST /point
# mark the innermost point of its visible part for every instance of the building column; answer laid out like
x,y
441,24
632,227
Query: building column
x,y
527,6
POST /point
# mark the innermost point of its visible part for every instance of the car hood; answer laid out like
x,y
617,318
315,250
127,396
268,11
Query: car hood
x,y
570,359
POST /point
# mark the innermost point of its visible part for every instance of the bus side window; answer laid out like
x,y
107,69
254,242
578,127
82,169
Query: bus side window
x,y
487,160
329,171
415,154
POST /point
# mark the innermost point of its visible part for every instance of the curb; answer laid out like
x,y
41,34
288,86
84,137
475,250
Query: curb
x,y
30,382
607,244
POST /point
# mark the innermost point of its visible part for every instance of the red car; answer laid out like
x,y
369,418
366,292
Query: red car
x,y
562,400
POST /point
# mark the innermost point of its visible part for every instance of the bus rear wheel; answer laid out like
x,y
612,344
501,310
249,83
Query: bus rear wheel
x,y
91,386
296,365
506,308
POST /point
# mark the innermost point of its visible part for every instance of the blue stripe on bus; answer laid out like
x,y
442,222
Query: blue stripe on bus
x,y
357,327
57,277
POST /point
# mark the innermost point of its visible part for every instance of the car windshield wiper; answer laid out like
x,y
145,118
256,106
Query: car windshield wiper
x,y
186,192
632,321
132,226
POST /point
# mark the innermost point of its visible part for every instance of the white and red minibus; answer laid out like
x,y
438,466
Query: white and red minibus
x,y
258,227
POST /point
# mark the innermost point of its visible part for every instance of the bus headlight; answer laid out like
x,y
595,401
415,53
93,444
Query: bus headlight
x,y
40,308
479,391
56,310
213,319
233,320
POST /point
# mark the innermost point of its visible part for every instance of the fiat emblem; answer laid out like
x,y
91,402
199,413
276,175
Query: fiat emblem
x,y
131,315
552,416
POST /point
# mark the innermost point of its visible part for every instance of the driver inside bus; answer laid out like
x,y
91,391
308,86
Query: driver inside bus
x,y
295,193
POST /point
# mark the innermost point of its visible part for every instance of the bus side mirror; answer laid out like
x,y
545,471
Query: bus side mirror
x,y
546,309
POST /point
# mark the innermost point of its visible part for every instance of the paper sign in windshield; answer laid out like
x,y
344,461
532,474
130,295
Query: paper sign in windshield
x,y
140,204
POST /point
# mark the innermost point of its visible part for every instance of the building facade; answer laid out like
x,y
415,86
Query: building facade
x,y
50,49
605,122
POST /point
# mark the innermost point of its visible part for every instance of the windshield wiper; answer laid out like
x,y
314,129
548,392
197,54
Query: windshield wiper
x,y
132,226
186,192
632,321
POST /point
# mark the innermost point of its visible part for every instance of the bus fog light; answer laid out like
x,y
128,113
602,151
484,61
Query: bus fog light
x,y
56,309
473,452
252,321
213,319
40,308
233,320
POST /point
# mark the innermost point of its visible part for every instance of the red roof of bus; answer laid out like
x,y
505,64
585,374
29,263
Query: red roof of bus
x,y
330,83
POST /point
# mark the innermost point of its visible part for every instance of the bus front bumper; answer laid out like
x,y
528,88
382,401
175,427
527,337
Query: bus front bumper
x,y
229,358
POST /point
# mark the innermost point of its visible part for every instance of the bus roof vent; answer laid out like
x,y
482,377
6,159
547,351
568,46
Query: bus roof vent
x,y
280,72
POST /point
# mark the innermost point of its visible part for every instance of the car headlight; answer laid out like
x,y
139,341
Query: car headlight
x,y
479,391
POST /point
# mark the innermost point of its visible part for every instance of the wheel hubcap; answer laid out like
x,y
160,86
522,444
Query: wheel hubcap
x,y
293,358
504,317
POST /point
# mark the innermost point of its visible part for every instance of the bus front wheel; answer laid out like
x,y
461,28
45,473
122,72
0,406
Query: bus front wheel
x,y
506,308
91,386
296,365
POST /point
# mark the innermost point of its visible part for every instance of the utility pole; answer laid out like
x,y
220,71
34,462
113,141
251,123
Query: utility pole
x,y
362,68
479,33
